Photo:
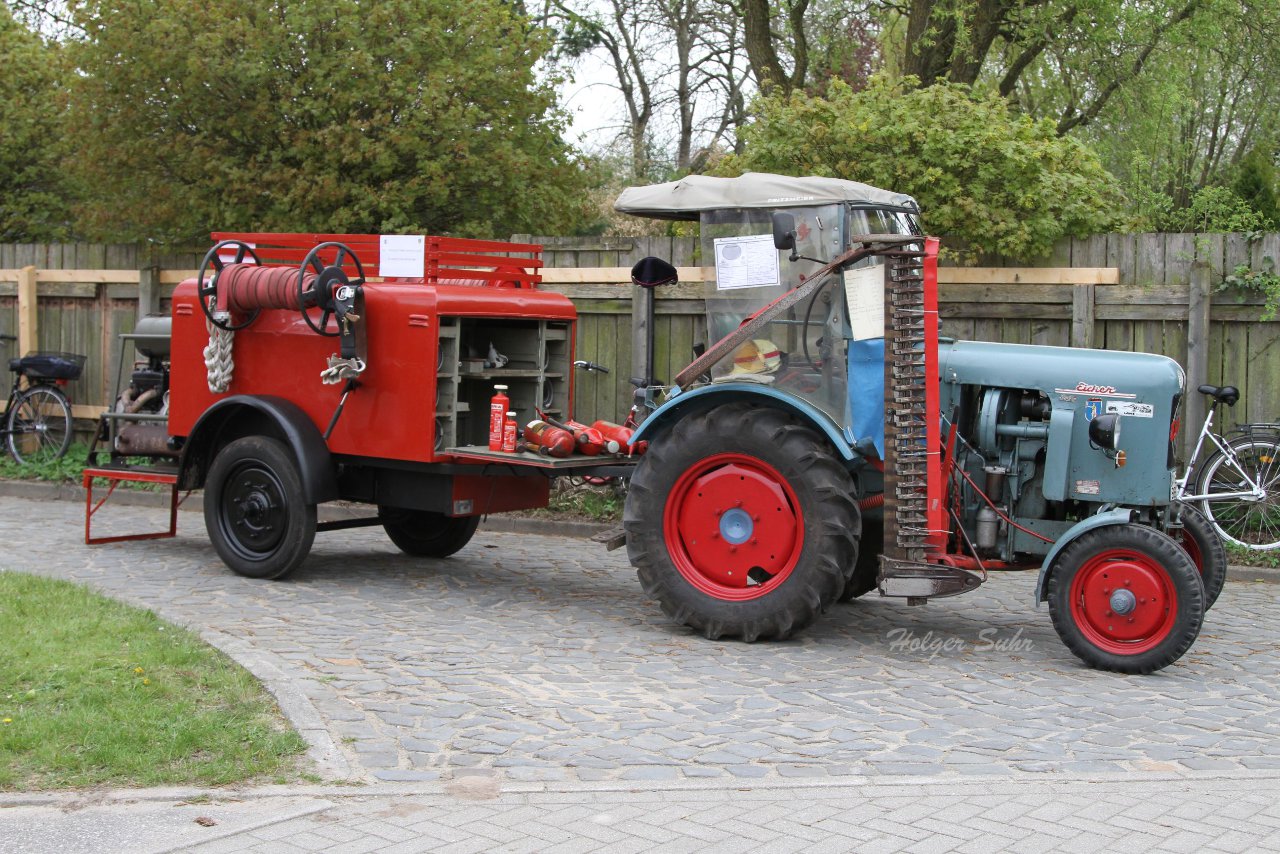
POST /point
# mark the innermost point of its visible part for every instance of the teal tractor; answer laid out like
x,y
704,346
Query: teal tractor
x,y
831,443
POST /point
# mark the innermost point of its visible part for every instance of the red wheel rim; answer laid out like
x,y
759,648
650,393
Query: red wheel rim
x,y
1192,548
733,527
1123,602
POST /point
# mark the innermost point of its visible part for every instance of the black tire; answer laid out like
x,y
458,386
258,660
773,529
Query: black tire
x,y
867,569
422,533
721,471
1202,543
1165,599
1251,524
254,509
39,425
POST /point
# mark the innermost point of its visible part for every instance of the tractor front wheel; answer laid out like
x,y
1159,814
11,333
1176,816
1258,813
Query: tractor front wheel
x,y
1126,598
741,523
254,509
423,533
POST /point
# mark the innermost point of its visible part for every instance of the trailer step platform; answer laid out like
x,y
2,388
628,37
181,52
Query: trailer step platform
x,y
578,464
117,475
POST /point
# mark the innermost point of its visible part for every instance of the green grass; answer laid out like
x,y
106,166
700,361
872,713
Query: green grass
x,y
96,693
65,469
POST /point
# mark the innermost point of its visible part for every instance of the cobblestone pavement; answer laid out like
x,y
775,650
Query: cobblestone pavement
x,y
1207,811
529,658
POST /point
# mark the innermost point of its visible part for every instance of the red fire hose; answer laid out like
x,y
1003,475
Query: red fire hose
x,y
247,287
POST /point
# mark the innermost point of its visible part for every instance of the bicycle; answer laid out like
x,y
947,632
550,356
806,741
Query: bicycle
x,y
37,416
1238,487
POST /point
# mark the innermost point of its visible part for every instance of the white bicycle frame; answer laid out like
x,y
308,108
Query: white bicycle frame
x,y
1253,493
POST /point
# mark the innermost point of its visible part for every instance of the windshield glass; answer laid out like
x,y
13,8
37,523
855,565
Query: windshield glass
x,y
805,350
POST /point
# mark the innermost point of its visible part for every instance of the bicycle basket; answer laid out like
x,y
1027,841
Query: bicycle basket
x,y
49,366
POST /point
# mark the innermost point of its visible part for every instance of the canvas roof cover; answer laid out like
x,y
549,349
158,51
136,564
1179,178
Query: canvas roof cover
x,y
683,199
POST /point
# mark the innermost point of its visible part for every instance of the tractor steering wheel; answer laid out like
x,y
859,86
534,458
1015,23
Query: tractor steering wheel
x,y
208,291
327,280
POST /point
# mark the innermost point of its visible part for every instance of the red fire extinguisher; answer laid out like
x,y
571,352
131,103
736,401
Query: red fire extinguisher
x,y
621,435
499,404
509,431
559,443
588,441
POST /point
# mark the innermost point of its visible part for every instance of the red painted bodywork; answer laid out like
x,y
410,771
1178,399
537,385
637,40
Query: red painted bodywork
x,y
392,413
935,483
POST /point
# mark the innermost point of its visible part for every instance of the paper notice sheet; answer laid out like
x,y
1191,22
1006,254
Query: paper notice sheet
x,y
864,292
746,262
402,256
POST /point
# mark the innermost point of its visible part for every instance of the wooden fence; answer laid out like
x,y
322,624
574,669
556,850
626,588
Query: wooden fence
x,y
1163,300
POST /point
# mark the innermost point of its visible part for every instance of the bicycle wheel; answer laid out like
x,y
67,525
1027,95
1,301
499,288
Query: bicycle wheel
x,y
39,425
1244,521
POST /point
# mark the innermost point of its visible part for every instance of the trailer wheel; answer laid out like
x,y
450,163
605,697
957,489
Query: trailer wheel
x,y
422,533
1126,598
1204,546
866,571
740,523
254,509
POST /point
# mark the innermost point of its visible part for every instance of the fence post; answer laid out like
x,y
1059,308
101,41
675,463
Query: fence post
x,y
148,291
641,312
1082,308
28,331
1197,348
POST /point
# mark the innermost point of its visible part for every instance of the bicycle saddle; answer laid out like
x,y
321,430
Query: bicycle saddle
x,y
1227,394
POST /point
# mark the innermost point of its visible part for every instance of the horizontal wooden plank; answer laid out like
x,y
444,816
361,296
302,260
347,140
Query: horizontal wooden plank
x,y
608,275
1140,311
1177,296
176,277
1029,275
92,276
1017,311
1049,294
76,290
598,291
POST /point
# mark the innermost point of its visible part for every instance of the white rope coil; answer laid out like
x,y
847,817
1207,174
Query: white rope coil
x,y
217,358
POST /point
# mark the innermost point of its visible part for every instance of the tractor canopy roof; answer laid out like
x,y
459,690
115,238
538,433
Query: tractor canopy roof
x,y
687,197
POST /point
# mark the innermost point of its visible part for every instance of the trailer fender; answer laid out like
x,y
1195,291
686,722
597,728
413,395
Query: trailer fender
x,y
246,415
1119,516
719,394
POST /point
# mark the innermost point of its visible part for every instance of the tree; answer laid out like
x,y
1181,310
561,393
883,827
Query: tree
x,y
34,202
993,42
999,182
317,116
674,63
1202,105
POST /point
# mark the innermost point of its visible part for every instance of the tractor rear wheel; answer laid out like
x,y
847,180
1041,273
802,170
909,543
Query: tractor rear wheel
x,y
866,571
1126,598
423,533
254,509
740,523
1201,541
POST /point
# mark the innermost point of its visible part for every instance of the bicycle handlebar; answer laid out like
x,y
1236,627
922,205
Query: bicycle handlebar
x,y
590,366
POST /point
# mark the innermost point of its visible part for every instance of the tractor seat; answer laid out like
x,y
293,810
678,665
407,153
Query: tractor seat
x,y
653,272
1227,394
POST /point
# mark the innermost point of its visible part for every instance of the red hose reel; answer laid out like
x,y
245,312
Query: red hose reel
x,y
239,289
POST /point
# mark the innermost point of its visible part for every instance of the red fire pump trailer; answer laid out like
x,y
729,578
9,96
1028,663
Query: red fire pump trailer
x,y
307,368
